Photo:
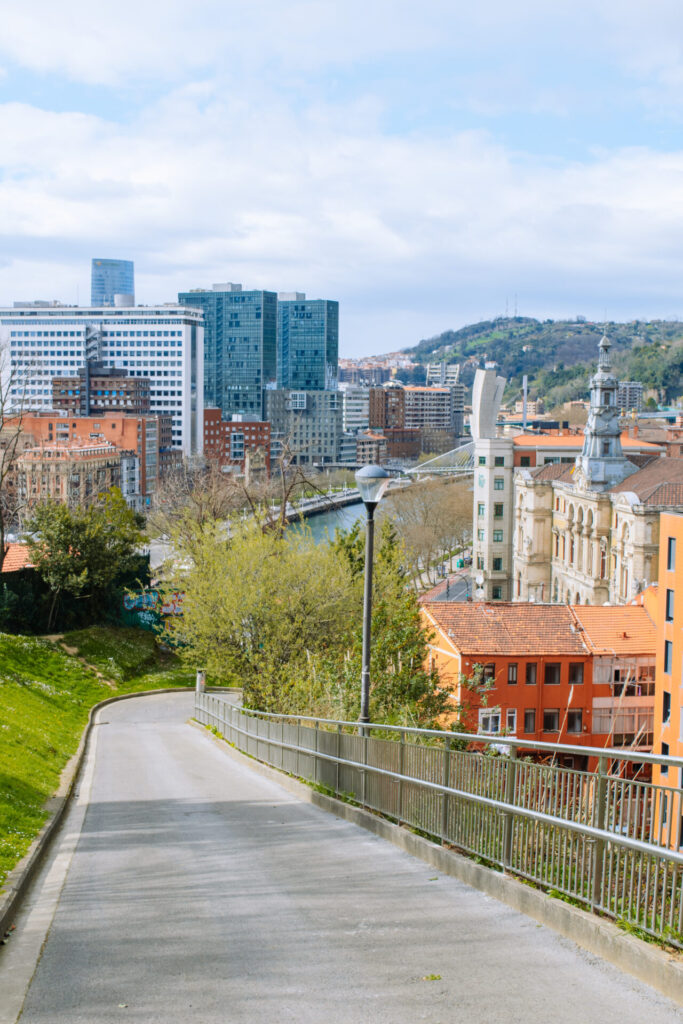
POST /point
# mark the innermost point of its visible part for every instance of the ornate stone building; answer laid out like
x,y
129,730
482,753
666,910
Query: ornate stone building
x,y
589,533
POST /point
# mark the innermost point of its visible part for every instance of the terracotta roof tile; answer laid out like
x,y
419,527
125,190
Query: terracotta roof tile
x,y
616,630
508,628
16,557
658,483
553,471
576,441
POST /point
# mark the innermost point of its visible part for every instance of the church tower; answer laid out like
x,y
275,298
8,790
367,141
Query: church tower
x,y
602,463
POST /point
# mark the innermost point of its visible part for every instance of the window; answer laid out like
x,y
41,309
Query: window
x,y
489,672
671,553
481,534
530,673
525,461
575,721
551,720
551,676
497,593
481,509
512,673
666,707
489,720
665,753
669,606
575,673
499,460
480,562
511,722
482,460
668,653
499,483
497,564
497,536
530,720
498,510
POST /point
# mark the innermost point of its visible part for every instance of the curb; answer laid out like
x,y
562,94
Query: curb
x,y
20,877
648,963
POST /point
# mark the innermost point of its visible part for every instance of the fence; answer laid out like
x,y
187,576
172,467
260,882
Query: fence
x,y
606,839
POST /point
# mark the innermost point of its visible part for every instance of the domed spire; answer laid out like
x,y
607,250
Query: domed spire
x,y
604,362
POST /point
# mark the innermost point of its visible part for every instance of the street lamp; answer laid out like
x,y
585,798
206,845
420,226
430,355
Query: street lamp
x,y
372,482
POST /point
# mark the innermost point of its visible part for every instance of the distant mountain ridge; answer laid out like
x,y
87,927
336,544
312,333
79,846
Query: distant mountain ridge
x,y
559,355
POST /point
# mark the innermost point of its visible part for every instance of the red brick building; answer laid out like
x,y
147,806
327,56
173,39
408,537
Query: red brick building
x,y
229,441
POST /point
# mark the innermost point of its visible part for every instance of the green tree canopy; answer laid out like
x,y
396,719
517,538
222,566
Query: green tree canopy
x,y
81,551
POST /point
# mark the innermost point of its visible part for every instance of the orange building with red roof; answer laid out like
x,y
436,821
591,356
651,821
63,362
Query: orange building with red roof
x,y
556,673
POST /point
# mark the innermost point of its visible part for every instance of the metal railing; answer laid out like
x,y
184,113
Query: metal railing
x,y
607,839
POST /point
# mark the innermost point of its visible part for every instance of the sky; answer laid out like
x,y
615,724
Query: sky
x,y
427,164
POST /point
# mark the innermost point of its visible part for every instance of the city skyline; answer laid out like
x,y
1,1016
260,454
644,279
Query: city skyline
x,y
426,167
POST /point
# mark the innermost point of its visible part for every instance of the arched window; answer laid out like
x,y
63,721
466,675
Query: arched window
x,y
603,563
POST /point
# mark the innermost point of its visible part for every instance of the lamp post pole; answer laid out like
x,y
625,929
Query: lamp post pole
x,y
372,482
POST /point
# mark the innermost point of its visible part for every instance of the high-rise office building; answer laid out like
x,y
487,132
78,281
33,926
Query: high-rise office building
x,y
163,344
111,278
239,346
307,342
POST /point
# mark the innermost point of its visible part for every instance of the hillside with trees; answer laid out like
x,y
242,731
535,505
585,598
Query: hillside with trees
x,y
559,355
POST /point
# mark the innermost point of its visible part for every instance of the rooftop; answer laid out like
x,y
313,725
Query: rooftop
x,y
16,557
576,441
658,483
616,630
483,629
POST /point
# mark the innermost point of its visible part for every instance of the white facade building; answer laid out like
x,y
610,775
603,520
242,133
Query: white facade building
x,y
355,408
164,343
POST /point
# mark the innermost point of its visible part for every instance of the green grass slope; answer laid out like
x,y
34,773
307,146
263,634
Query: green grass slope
x,y
45,697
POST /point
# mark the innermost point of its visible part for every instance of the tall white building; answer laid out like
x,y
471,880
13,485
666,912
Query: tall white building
x,y
355,407
493,489
164,343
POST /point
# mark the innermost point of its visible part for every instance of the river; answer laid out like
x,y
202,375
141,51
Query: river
x,y
327,523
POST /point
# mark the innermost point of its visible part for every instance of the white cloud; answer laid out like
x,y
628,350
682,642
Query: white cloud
x,y
196,192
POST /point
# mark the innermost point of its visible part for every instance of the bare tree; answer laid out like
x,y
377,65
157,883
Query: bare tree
x,y
433,518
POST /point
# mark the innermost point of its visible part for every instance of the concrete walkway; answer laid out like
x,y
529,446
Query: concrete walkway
x,y
198,891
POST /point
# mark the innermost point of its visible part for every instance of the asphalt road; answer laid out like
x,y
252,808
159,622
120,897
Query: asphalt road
x,y
197,891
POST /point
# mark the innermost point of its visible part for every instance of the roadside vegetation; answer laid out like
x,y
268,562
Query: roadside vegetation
x,y
46,694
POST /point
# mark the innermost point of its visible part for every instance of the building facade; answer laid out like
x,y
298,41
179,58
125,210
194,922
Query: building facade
x,y
111,278
231,442
163,344
589,533
309,423
75,474
630,396
307,343
240,331
558,674
97,389
355,407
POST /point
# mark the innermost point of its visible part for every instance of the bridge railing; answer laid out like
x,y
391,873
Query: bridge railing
x,y
608,839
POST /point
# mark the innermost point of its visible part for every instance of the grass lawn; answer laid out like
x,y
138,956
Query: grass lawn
x,y
45,697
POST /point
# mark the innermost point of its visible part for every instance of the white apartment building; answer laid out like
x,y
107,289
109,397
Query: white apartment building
x,y
355,407
164,343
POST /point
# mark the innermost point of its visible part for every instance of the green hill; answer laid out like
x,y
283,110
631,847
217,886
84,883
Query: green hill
x,y
559,355
45,696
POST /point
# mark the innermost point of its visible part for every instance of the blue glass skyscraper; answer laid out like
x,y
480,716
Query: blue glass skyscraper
x,y
109,278
308,343
239,346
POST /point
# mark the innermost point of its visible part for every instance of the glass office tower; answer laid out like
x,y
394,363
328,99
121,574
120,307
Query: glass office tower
x,y
109,278
308,343
239,346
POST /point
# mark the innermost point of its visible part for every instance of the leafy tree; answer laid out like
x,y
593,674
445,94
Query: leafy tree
x,y
81,551
282,617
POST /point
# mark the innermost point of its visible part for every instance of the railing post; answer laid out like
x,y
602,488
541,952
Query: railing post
x,y
317,749
509,820
599,819
339,734
365,731
401,770
200,683
446,783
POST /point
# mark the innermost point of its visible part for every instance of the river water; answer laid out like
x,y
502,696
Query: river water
x,y
327,523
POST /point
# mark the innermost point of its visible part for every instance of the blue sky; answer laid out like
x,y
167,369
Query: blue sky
x,y
424,164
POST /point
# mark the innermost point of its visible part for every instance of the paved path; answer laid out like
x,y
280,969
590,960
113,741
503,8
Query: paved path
x,y
198,891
